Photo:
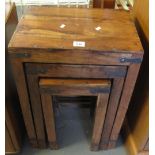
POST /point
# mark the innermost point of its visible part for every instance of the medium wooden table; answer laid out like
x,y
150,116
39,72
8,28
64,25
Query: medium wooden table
x,y
75,43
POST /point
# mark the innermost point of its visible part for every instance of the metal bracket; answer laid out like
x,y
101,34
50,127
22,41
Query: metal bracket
x,y
131,60
99,90
22,55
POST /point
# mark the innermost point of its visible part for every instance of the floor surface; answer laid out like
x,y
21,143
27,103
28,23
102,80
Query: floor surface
x,y
74,127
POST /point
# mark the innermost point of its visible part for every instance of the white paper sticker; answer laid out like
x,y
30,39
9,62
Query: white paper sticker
x,y
98,28
78,43
62,26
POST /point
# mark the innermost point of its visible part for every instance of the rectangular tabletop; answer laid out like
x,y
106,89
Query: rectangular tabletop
x,y
76,28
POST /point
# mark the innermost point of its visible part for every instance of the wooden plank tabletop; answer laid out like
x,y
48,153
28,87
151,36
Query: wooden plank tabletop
x,y
76,28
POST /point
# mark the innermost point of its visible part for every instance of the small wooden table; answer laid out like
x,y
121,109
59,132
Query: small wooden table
x,y
75,43
75,87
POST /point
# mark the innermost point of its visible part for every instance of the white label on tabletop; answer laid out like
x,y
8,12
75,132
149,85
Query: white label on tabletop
x,y
98,28
62,26
78,43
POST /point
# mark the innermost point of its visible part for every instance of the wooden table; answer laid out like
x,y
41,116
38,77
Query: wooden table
x,y
74,87
13,122
75,43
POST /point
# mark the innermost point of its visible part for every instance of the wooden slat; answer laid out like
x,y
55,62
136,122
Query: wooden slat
x,y
75,71
75,57
74,87
73,82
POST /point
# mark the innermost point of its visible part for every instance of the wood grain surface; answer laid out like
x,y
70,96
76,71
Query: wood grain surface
x,y
124,103
75,71
102,30
109,39
9,147
100,115
21,85
117,73
104,4
33,88
49,117
115,95
74,87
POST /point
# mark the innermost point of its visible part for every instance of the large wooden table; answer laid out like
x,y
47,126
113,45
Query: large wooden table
x,y
75,43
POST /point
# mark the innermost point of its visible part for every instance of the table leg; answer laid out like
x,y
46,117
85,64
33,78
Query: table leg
x,y
47,105
35,97
130,81
20,81
100,113
111,111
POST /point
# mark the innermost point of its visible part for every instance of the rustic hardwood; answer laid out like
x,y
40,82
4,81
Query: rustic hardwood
x,y
130,142
37,109
124,102
40,33
138,136
11,20
9,147
79,71
100,114
104,4
12,125
21,85
47,105
75,71
34,71
74,87
98,4
141,13
13,119
140,131
109,4
112,109
115,44
100,88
